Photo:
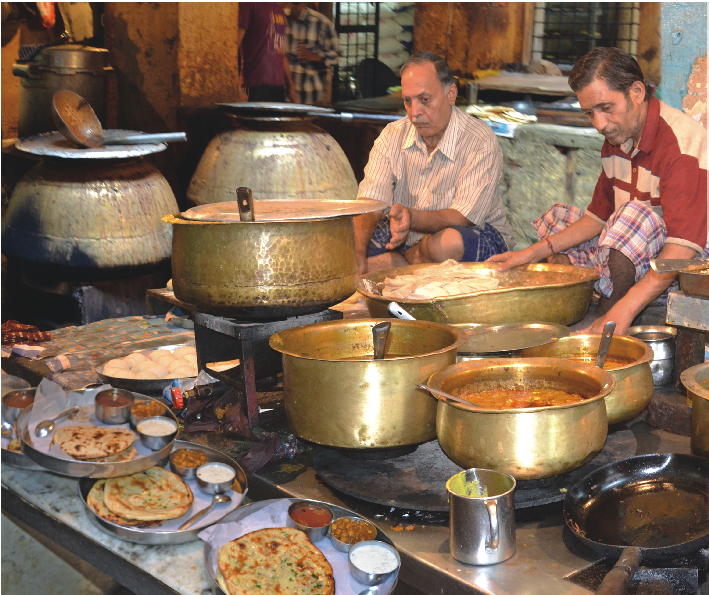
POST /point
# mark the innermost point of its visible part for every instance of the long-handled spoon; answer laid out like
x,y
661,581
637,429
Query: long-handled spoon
x,y
380,334
45,427
195,517
439,393
606,338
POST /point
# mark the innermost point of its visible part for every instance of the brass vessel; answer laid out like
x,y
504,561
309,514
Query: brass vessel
x,y
337,395
277,157
633,381
695,283
526,443
532,293
696,381
90,215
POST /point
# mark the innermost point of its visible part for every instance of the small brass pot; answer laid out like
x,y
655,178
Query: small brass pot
x,y
337,395
633,382
526,443
696,381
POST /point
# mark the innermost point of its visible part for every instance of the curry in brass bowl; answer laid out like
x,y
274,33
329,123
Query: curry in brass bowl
x,y
553,293
628,362
526,442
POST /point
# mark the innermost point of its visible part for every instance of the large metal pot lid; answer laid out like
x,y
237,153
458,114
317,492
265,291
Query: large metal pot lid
x,y
285,210
54,144
512,337
263,108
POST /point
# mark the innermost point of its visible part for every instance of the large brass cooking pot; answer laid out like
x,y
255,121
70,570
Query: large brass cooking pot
x,y
526,443
537,292
266,269
696,381
633,381
337,395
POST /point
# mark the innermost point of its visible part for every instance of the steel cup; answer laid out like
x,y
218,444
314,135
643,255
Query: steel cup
x,y
482,516
662,340
15,402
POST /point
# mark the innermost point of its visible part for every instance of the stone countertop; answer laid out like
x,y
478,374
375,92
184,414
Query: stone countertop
x,y
158,568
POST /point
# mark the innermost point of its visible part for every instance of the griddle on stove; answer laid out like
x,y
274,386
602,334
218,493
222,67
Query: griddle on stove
x,y
417,480
219,339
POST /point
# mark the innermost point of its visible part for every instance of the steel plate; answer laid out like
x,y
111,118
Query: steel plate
x,y
264,108
512,337
277,209
155,536
54,144
243,512
75,468
135,384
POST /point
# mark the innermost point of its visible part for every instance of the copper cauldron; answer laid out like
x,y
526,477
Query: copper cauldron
x,y
337,395
527,443
633,380
696,381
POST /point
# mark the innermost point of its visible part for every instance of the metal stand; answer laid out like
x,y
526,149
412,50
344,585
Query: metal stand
x,y
221,339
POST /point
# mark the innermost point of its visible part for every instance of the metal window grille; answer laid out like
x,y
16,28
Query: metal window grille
x,y
565,31
357,24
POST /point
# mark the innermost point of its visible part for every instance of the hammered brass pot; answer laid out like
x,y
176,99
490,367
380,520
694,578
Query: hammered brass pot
x,y
529,443
633,381
263,269
696,381
337,395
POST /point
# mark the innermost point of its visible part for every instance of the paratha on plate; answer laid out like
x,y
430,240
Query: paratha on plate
x,y
125,455
91,442
151,495
95,502
279,560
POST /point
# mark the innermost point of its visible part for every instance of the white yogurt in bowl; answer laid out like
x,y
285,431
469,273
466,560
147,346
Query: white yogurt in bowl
x,y
215,473
374,559
157,427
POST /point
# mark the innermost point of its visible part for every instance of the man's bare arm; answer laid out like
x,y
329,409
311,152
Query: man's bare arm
x,y
364,230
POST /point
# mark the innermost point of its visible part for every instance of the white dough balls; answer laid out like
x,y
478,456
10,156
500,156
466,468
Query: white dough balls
x,y
190,357
117,363
185,372
157,369
144,365
164,360
177,363
180,352
121,373
134,358
147,375
157,354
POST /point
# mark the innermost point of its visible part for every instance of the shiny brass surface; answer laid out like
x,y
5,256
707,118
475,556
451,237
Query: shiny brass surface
x,y
526,443
633,382
90,214
278,268
696,381
295,159
532,293
694,282
337,395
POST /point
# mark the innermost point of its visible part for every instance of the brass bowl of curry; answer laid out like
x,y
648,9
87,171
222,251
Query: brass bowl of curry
x,y
628,362
526,442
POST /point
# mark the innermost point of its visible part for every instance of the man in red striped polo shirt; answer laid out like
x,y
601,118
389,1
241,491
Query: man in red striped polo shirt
x,y
650,200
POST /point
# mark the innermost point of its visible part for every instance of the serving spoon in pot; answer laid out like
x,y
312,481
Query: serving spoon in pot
x,y
44,428
76,120
606,339
447,396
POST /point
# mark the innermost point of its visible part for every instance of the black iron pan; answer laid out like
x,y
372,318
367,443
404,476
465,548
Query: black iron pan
x,y
642,509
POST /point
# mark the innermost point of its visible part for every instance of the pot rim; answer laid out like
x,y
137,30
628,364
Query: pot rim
x,y
607,384
276,340
689,380
647,357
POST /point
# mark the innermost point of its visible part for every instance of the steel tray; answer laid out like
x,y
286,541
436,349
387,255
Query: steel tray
x,y
134,384
157,537
54,144
75,468
512,337
210,553
554,293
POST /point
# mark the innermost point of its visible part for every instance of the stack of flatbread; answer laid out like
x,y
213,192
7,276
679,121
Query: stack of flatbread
x,y
499,113
441,280
143,499
281,560
92,443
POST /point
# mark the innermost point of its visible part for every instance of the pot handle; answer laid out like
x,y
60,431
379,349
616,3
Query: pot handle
x,y
246,203
491,506
617,581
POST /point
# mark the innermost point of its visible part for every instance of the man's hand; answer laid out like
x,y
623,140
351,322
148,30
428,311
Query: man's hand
x,y
304,53
516,258
622,318
400,225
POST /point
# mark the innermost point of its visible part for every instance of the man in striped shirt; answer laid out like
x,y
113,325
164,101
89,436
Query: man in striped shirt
x,y
650,200
438,169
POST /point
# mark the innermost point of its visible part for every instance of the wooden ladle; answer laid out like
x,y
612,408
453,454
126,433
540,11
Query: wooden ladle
x,y
76,120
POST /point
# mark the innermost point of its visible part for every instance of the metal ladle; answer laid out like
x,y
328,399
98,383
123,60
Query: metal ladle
x,y
606,338
380,334
76,120
439,393
217,499
45,427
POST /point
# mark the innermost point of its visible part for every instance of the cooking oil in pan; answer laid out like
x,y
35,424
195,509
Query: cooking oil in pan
x,y
654,514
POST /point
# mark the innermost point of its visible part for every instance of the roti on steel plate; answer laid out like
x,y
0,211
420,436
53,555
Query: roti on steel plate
x,y
91,442
94,500
125,455
151,495
280,560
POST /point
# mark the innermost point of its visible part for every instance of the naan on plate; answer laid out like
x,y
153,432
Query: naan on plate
x,y
94,500
281,560
151,495
92,442
125,455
